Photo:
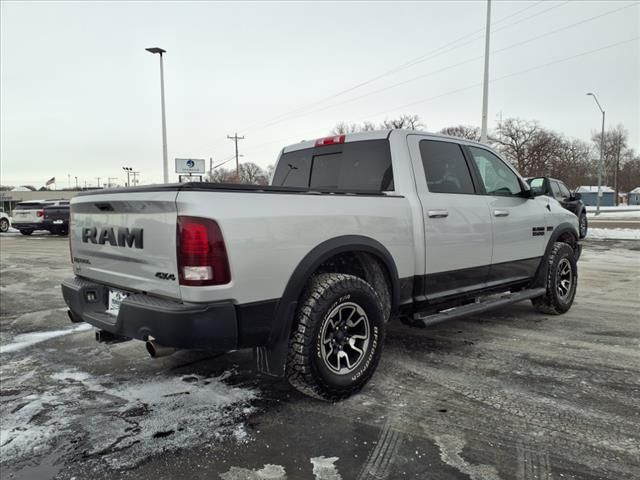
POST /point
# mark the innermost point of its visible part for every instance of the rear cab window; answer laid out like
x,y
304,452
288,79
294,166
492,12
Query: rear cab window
x,y
352,166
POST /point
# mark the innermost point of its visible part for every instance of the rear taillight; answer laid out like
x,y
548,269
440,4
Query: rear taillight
x,y
40,213
202,256
323,142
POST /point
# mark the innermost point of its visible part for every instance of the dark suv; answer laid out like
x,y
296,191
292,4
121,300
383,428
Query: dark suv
x,y
569,200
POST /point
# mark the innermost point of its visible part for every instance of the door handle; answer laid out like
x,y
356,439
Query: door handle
x,y
501,213
437,213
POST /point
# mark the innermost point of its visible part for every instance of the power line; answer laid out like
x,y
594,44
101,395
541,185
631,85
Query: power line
x,y
520,72
475,85
432,54
448,47
464,62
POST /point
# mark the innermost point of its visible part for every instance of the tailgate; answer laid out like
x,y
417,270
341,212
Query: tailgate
x,y
127,240
56,213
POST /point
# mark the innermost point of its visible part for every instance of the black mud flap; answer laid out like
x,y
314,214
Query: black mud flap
x,y
272,359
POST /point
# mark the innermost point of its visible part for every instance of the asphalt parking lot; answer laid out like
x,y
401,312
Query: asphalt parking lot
x,y
508,395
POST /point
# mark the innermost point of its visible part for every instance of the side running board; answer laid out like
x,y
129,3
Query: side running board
x,y
481,306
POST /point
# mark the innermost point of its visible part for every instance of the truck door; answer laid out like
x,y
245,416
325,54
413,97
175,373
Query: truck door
x,y
519,225
457,222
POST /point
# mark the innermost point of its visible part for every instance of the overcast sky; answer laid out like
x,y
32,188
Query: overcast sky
x,y
81,97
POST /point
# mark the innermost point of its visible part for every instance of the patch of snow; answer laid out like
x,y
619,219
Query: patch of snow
x,y
325,468
121,425
619,208
614,233
25,340
268,472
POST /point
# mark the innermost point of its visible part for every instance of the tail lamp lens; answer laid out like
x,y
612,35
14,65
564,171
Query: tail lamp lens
x,y
202,256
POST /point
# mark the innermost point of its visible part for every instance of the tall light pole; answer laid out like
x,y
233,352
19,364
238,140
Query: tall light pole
x,y
164,120
601,156
128,170
485,85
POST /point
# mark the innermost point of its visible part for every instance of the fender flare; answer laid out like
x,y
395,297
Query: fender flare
x,y
272,358
541,273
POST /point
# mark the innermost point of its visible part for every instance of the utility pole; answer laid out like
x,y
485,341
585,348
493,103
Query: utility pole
x,y
98,178
135,177
76,183
109,180
210,168
69,178
485,87
601,156
235,138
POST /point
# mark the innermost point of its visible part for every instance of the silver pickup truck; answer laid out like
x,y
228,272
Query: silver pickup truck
x,y
353,231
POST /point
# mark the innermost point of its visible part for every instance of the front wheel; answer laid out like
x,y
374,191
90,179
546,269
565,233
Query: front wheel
x,y
561,282
337,338
4,225
583,225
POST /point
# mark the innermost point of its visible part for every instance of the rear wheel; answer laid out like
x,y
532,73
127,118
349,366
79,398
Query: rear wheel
x,y
26,232
583,225
337,339
561,282
4,225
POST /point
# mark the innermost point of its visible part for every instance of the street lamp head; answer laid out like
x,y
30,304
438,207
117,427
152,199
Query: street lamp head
x,y
155,50
590,94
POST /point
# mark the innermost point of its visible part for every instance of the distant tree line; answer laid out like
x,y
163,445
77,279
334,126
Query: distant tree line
x,y
249,173
536,151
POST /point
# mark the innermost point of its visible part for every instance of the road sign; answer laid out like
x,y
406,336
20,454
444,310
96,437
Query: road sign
x,y
190,165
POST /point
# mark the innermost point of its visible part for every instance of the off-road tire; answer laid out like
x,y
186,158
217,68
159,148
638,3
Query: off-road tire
x,y
26,232
308,367
4,225
583,225
552,302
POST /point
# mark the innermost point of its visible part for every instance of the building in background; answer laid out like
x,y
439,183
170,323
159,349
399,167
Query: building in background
x,y
590,196
633,198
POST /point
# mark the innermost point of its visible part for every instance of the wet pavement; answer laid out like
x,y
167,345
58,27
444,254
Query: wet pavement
x,y
511,394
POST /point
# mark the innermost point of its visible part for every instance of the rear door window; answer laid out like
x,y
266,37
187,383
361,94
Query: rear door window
x,y
352,166
445,167
555,188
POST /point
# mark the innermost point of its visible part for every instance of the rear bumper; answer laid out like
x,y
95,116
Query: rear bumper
x,y
212,326
28,226
50,225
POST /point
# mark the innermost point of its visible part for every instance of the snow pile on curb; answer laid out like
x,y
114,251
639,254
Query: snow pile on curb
x,y
613,234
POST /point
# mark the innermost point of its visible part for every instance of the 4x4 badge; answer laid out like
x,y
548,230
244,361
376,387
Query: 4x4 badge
x,y
165,276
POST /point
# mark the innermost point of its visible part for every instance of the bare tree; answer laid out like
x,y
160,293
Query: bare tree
x,y
6,188
252,174
615,146
532,148
344,127
222,175
463,131
404,121
630,171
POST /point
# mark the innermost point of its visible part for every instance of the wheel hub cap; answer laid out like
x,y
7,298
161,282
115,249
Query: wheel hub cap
x,y
345,338
564,278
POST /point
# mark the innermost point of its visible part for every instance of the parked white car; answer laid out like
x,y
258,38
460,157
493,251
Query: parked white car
x,y
5,222
29,216
354,230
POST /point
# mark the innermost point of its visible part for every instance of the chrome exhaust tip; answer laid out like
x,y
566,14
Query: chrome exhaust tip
x,y
156,350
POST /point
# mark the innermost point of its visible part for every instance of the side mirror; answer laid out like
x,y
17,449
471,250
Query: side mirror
x,y
577,196
539,186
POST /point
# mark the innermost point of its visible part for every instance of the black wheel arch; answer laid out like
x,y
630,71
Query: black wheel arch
x,y
564,232
271,359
